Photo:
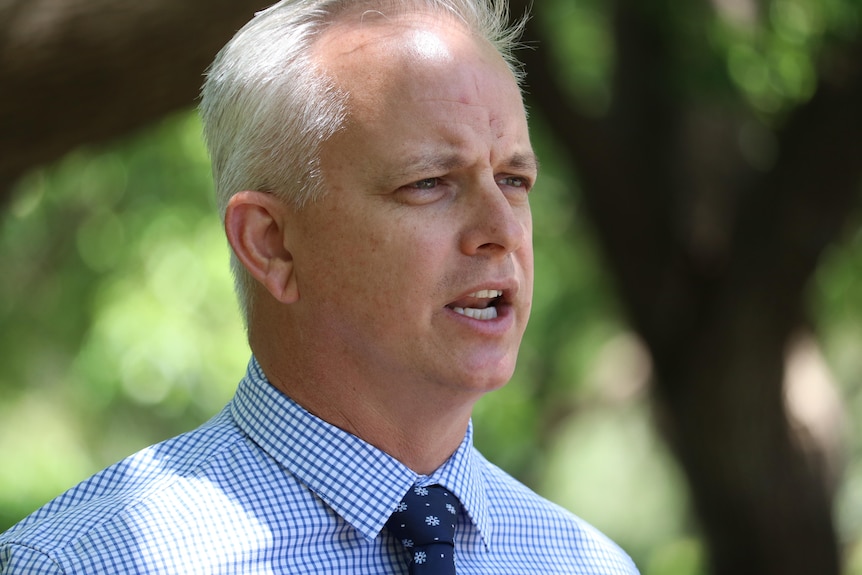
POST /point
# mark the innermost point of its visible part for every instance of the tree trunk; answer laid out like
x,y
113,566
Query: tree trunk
x,y
84,71
711,259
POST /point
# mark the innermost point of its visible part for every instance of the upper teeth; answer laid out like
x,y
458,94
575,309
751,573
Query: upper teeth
x,y
487,293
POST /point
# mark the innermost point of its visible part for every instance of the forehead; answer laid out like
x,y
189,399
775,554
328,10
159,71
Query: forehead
x,y
421,86
368,53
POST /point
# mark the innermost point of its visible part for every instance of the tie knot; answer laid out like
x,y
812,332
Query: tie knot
x,y
426,515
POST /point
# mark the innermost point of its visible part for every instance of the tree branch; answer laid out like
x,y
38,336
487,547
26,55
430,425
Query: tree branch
x,y
84,71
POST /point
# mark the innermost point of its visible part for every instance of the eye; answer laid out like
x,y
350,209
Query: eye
x,y
426,184
514,182
420,192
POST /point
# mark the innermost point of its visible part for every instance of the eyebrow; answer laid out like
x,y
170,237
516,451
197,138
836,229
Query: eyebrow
x,y
526,161
429,163
442,163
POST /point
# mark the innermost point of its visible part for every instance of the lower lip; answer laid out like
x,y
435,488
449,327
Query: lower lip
x,y
497,326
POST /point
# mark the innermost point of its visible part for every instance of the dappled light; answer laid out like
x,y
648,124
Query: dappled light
x,y
121,328
120,325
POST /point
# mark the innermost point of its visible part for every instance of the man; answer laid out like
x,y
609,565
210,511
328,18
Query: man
x,y
373,166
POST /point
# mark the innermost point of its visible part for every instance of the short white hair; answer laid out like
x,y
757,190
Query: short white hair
x,y
267,107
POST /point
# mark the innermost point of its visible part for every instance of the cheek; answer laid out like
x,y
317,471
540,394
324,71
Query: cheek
x,y
399,258
376,257
382,263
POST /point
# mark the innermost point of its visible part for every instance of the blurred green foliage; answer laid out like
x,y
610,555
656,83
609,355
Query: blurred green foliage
x,y
120,326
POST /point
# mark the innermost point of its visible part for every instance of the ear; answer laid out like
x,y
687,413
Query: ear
x,y
255,224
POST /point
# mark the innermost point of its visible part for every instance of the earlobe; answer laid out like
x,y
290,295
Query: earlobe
x,y
255,224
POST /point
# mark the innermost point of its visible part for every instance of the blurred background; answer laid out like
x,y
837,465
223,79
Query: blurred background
x,y
692,373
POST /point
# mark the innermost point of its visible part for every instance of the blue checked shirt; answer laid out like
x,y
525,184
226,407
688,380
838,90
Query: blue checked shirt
x,y
266,487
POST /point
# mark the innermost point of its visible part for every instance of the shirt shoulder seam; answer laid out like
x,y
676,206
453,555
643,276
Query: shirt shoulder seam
x,y
35,549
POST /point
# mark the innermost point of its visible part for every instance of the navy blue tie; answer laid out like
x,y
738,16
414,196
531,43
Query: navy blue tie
x,y
424,521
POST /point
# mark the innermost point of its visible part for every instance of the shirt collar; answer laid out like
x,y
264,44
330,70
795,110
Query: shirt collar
x,y
462,475
358,481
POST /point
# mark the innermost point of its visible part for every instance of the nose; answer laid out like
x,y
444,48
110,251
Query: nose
x,y
497,224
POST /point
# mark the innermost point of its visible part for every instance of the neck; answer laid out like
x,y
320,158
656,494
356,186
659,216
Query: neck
x,y
420,432
419,439
418,425
417,421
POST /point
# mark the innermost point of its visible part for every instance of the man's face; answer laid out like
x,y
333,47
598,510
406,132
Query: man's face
x,y
417,266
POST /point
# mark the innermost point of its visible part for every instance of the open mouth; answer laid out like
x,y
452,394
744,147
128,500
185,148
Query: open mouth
x,y
481,305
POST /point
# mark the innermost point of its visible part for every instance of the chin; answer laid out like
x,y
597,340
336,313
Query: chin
x,y
484,380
